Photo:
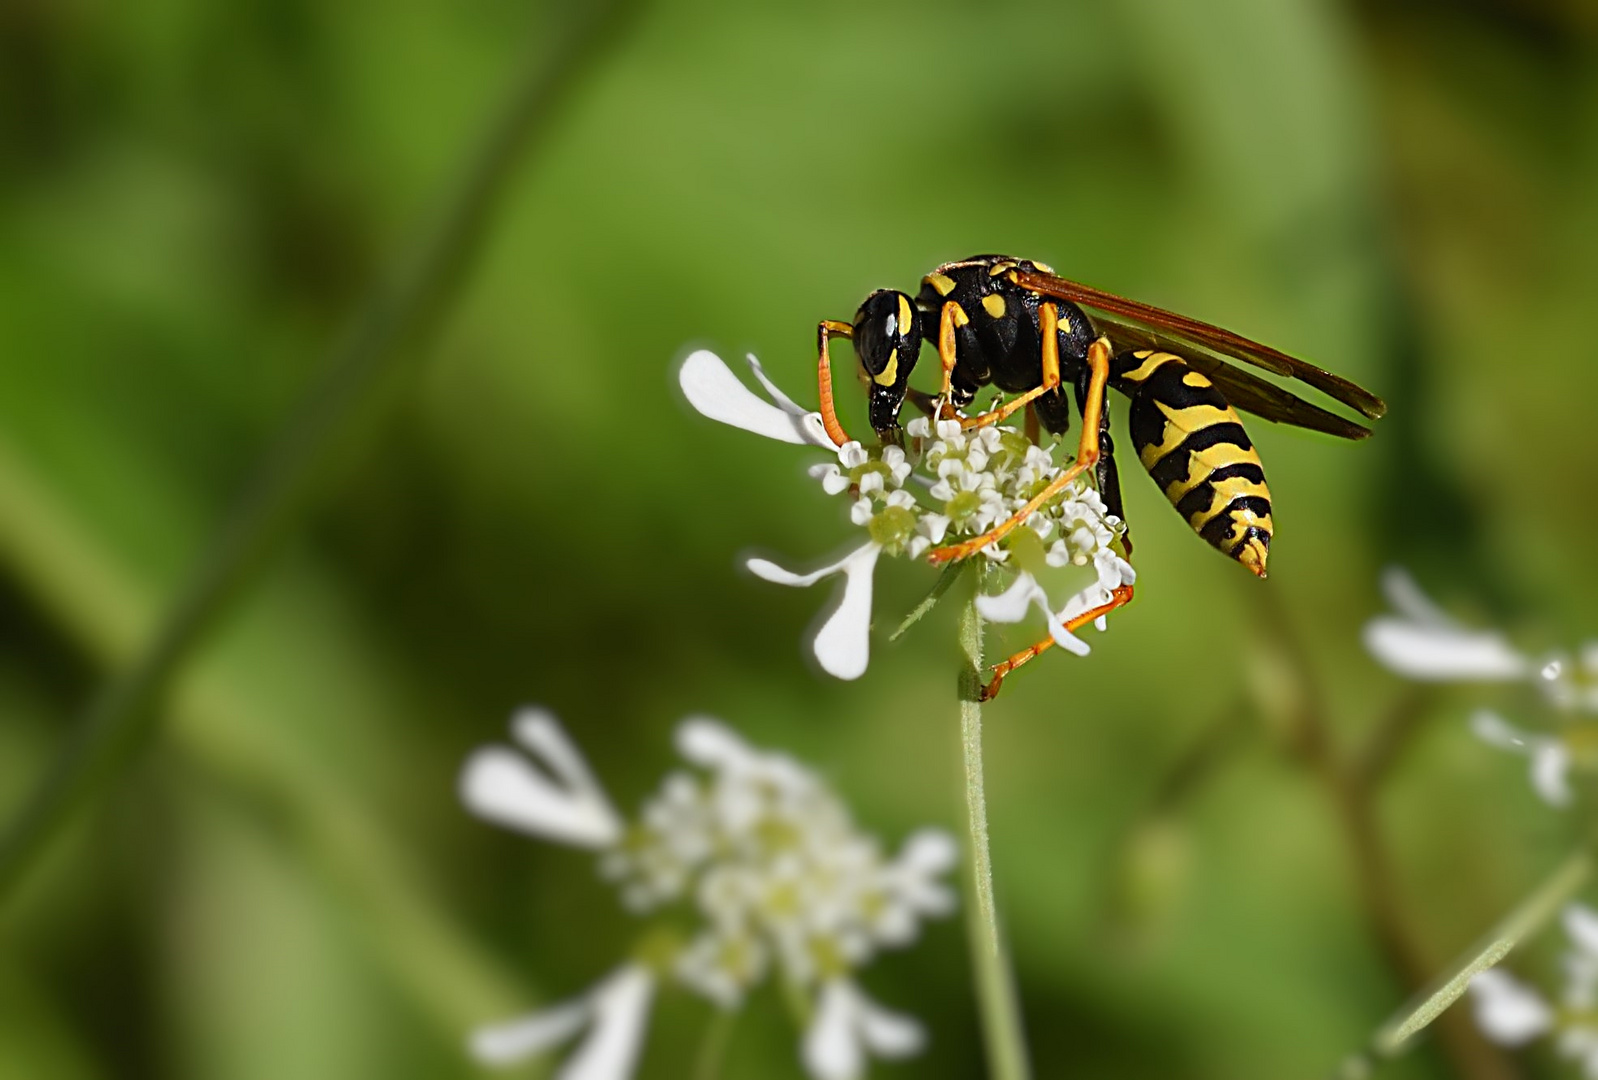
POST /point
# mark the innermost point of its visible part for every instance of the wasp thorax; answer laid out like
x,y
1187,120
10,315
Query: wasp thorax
x,y
887,338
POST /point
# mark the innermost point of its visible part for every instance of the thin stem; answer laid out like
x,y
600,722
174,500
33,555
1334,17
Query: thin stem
x,y
1351,786
393,325
1430,1004
713,1046
996,996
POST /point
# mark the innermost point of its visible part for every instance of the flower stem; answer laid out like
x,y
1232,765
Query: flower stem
x,y
995,982
713,1046
389,333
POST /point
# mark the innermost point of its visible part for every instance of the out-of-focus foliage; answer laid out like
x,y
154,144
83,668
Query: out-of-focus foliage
x,y
193,197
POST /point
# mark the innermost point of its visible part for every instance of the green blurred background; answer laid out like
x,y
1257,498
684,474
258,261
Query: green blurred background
x,y
194,198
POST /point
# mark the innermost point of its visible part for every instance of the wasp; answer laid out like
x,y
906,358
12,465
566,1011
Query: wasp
x,y
1014,324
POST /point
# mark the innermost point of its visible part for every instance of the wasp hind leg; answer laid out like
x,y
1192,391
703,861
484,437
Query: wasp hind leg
x,y
1106,477
1118,598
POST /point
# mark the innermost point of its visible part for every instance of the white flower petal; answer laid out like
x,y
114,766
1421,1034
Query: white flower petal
x,y
1443,653
843,644
767,570
1062,636
500,785
830,1050
621,1019
541,734
888,1034
929,851
833,480
783,401
516,1040
1550,767
1409,601
1508,1011
715,391
1581,923
1012,604
711,744
846,1024
1494,730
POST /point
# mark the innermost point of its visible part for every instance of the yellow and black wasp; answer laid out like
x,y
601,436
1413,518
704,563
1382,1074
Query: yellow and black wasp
x,y
1012,323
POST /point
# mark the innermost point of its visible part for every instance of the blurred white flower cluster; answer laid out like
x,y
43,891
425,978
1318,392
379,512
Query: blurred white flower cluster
x,y
944,485
767,862
1514,1013
1421,641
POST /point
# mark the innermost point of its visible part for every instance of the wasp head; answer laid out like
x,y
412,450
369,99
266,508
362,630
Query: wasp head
x,y
887,338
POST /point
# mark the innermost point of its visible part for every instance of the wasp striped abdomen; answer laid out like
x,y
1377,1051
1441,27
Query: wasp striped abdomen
x,y
1190,440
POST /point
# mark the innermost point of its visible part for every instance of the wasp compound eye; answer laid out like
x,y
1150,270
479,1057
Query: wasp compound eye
x,y
887,338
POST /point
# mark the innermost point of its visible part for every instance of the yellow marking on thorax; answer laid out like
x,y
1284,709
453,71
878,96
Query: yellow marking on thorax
x,y
1224,492
1194,378
999,268
993,304
941,282
960,317
1201,463
1152,362
888,374
1045,267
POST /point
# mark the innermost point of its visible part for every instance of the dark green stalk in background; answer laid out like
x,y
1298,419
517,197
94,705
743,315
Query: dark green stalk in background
x,y
389,334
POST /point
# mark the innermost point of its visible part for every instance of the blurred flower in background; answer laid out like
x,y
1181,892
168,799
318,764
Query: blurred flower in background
x,y
944,484
1423,642
1514,1013
764,860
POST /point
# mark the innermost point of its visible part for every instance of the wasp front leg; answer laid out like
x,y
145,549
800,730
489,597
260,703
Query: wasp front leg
x,y
829,412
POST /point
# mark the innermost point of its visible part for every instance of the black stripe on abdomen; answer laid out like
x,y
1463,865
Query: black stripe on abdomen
x,y
1193,445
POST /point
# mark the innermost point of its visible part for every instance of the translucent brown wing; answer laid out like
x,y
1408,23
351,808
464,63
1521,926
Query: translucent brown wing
x,y
1158,328
1248,392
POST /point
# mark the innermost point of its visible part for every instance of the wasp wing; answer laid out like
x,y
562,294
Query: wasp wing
x,y
1166,329
1246,391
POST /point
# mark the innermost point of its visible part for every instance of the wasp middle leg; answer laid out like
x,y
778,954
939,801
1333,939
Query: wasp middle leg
x,y
1087,456
1048,331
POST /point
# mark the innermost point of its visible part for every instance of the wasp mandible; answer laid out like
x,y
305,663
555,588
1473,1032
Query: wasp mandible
x,y
1013,324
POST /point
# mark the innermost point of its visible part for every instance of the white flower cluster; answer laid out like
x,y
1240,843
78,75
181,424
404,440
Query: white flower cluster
x,y
1514,1013
944,485
1421,641
766,859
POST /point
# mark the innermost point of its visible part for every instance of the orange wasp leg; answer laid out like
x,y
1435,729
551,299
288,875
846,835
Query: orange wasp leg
x,y
1121,596
946,353
1048,329
1087,456
829,412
